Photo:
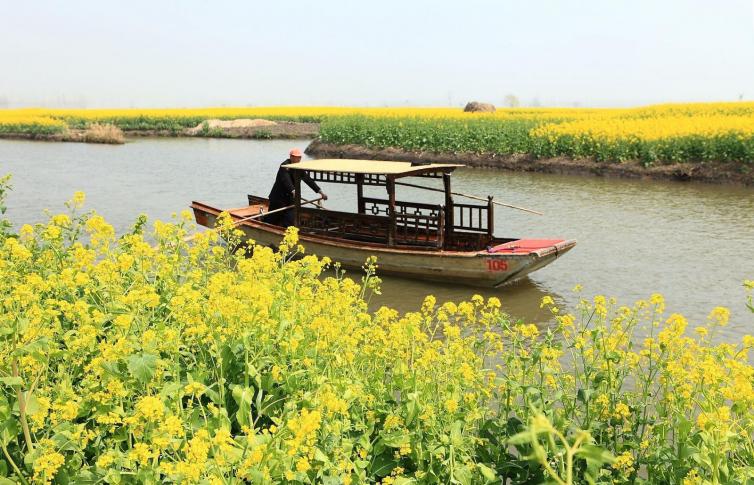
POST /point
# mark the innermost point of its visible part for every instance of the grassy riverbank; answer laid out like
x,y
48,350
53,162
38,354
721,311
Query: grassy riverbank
x,y
712,133
707,172
127,361
645,136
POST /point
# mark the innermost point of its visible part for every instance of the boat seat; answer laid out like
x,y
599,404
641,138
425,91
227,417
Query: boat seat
x,y
247,211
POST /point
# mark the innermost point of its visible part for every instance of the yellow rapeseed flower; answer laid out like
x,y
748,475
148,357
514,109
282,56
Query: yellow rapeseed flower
x,y
719,316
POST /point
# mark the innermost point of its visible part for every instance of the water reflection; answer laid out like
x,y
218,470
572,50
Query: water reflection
x,y
519,299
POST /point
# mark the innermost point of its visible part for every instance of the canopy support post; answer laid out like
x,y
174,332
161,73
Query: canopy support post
x,y
391,210
360,193
490,219
449,222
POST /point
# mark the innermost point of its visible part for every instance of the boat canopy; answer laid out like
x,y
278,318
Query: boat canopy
x,y
372,167
442,226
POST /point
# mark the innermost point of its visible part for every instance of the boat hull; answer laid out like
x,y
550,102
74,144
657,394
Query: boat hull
x,y
472,268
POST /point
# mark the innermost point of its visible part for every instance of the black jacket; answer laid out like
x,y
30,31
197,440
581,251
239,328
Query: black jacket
x,y
281,194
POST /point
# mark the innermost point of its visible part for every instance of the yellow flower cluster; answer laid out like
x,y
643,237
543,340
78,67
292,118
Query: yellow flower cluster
x,y
610,129
152,357
22,121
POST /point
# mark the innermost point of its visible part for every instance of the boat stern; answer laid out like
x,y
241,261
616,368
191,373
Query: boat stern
x,y
204,214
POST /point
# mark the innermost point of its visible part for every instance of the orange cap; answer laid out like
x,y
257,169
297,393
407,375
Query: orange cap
x,y
295,152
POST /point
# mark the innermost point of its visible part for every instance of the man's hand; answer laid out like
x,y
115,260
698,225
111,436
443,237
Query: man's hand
x,y
324,195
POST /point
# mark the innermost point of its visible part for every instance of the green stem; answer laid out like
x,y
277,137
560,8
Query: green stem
x,y
715,470
22,410
13,464
543,462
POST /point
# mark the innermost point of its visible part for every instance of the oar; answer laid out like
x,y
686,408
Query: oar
x,y
472,197
261,214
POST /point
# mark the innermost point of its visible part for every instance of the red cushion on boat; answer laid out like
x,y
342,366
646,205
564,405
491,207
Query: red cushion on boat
x,y
524,245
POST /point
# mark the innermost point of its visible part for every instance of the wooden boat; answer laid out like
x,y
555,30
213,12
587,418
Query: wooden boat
x,y
451,242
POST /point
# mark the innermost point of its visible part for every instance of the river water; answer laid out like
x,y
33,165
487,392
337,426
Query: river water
x,y
694,243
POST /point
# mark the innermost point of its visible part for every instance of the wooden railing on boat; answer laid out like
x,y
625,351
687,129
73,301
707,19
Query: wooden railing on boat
x,y
469,227
381,206
470,217
415,224
410,229
344,225
420,230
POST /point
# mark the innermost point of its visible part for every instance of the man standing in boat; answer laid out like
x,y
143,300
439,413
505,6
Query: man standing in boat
x,y
282,193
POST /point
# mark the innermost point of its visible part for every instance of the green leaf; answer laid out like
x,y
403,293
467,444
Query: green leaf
x,y
112,369
383,464
243,396
403,481
613,356
37,349
12,381
321,457
171,389
583,395
394,439
594,455
531,390
260,393
5,409
23,324
456,433
463,475
32,405
9,431
522,438
488,473
142,367
213,395
412,410
684,426
686,451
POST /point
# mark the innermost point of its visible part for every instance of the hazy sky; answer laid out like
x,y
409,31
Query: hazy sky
x,y
199,53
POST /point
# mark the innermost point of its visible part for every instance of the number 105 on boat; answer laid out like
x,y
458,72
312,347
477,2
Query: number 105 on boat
x,y
497,265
